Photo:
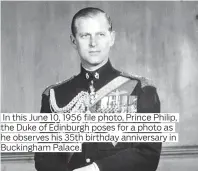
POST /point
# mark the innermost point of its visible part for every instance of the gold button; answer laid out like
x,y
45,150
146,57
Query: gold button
x,y
88,160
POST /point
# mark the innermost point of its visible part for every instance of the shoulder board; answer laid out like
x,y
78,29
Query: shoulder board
x,y
47,89
143,80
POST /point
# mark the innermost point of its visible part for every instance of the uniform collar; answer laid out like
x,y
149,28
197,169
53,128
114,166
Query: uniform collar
x,y
98,74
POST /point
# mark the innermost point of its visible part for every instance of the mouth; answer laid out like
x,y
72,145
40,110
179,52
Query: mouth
x,y
94,52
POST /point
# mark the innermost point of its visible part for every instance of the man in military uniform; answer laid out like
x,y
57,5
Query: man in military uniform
x,y
100,88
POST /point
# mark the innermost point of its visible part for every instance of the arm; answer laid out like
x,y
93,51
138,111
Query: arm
x,y
49,161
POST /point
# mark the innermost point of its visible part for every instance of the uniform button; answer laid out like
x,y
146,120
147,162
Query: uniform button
x,y
88,160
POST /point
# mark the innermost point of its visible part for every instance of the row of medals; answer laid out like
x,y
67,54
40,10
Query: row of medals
x,y
113,107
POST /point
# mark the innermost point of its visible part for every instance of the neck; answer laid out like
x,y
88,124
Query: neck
x,y
92,67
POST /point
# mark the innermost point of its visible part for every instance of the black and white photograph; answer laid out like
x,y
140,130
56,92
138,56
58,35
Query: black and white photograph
x,y
134,60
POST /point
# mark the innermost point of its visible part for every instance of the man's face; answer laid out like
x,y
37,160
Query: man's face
x,y
93,39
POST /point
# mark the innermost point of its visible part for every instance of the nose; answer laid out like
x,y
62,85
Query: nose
x,y
93,41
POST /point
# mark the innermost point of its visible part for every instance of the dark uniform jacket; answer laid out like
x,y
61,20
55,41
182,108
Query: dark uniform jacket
x,y
123,156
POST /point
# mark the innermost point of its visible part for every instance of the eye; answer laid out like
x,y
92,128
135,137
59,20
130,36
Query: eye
x,y
101,34
84,36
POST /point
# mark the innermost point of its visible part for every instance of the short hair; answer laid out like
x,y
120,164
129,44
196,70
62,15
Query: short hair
x,y
88,12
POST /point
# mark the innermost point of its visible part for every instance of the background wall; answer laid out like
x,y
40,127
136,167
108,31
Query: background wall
x,y
158,40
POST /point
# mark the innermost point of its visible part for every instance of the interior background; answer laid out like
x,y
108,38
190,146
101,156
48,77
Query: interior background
x,y
158,40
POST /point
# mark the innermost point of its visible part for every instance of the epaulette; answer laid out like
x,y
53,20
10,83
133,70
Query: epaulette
x,y
47,89
143,80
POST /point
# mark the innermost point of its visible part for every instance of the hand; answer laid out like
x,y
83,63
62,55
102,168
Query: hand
x,y
91,167
85,168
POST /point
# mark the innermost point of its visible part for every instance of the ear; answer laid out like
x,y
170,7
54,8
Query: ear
x,y
113,34
73,40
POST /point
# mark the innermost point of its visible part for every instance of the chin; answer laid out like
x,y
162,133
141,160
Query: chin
x,y
95,62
